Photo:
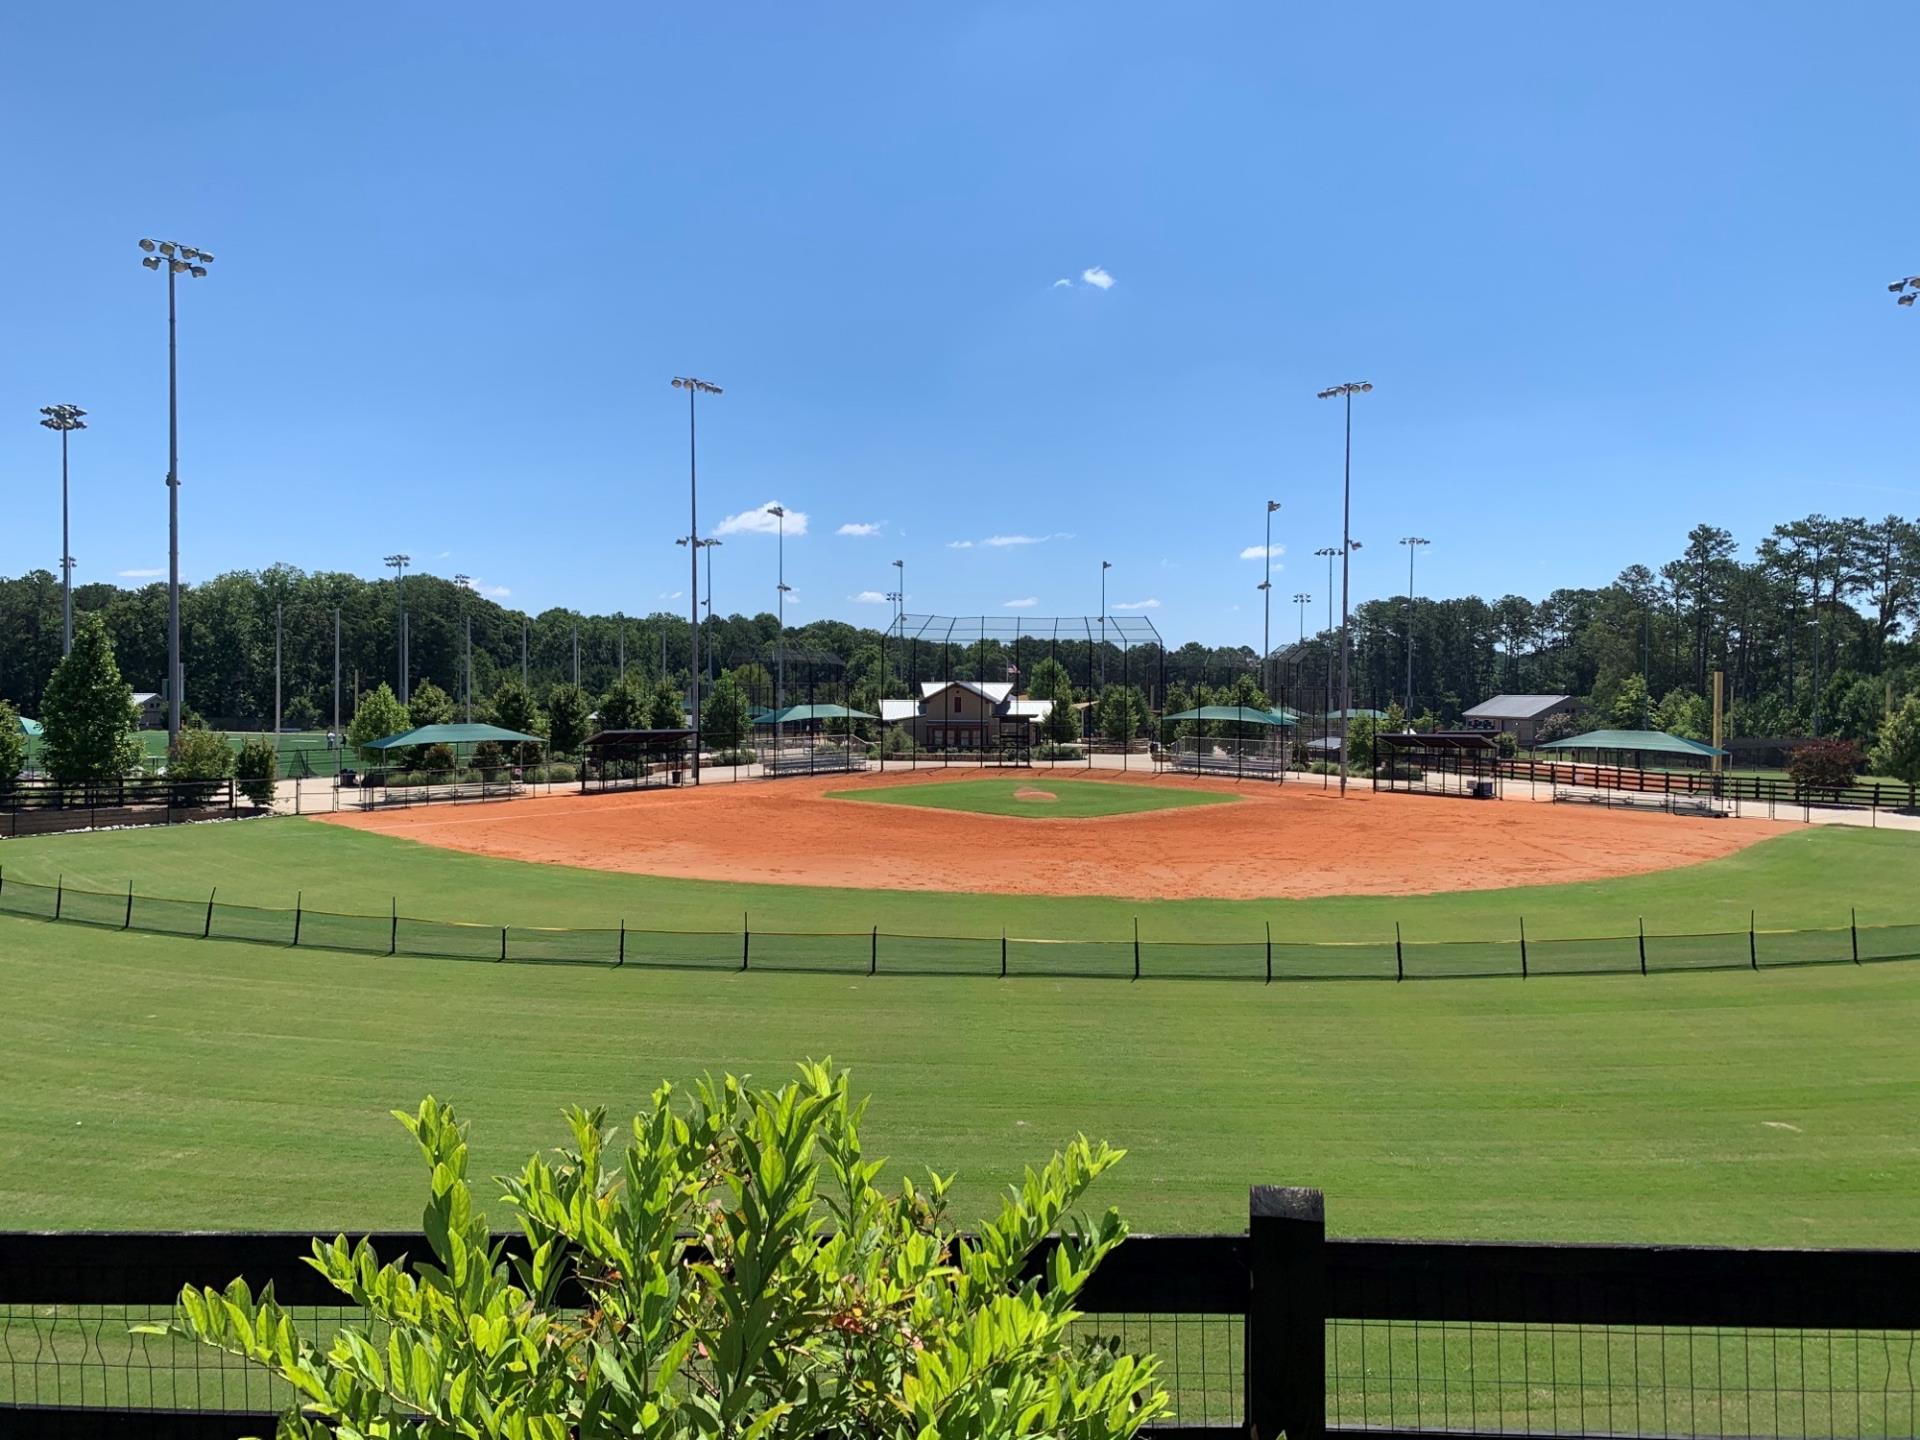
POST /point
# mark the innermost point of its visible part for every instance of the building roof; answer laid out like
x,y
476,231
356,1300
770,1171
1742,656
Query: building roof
x,y
141,697
891,710
1516,707
1648,742
452,735
1025,707
1360,714
1437,740
994,690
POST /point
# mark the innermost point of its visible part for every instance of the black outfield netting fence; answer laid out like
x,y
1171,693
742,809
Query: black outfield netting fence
x,y
1266,957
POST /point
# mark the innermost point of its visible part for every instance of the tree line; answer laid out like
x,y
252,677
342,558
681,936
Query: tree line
x,y
1813,629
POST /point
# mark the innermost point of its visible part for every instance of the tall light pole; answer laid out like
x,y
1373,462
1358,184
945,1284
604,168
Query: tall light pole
x,y
176,260
336,671
1266,587
712,664
465,582
277,608
1300,600
65,419
1105,565
398,564
1346,392
694,388
780,605
1413,543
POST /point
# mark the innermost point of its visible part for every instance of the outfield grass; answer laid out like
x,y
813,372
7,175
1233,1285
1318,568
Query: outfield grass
x,y
1071,799
1806,877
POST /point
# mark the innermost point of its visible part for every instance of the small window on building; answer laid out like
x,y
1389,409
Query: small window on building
x,y
956,704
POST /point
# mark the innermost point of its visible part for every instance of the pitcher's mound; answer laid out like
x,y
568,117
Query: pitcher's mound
x,y
1027,792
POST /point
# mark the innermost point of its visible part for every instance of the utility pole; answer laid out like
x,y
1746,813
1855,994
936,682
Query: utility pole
x,y
465,582
178,260
1105,565
1347,547
336,670
1266,604
276,670
1413,543
694,387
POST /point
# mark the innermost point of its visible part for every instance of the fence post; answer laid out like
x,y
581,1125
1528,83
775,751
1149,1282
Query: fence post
x,y
1269,952
299,905
127,922
1523,947
1399,955
746,939
873,952
1285,1342
1753,944
1003,952
59,894
1853,930
1136,947
207,928
623,942
1643,944
393,933
503,945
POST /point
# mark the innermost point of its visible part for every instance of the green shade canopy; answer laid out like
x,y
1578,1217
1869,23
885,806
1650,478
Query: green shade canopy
x,y
796,714
452,735
30,728
1237,714
1651,742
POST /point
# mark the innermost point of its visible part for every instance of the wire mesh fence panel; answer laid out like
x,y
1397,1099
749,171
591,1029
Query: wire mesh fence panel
x,y
88,1355
830,954
1071,958
1294,960
1201,1359
169,917
682,949
20,897
1804,947
546,945
938,954
1202,960
1460,959
446,939
250,922
366,934
1542,1379
1726,950
92,907
1607,955
1889,942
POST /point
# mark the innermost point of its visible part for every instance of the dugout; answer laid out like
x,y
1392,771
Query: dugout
x,y
1443,762
810,739
1232,740
635,759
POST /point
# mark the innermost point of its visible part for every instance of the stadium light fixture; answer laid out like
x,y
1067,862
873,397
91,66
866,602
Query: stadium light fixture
x,y
1266,609
65,419
1345,393
398,564
180,260
694,388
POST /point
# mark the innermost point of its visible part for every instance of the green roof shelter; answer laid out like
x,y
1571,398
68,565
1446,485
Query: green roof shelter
x,y
802,714
474,734
1637,743
1238,715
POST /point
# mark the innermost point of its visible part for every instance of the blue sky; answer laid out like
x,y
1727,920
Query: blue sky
x,y
1613,270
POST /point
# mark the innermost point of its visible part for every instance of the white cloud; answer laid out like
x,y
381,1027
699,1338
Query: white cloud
x,y
1138,605
1004,540
443,555
861,528
499,592
959,544
759,521
141,574
1097,275
670,594
1025,602
1256,552
1063,283
868,597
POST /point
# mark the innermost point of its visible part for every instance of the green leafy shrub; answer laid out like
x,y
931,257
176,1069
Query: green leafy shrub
x,y
199,756
749,1280
437,759
256,767
1507,743
489,758
559,772
898,740
1053,750
301,714
1824,765
732,757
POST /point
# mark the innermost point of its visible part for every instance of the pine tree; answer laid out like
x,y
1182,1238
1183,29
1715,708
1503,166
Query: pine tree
x,y
88,711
